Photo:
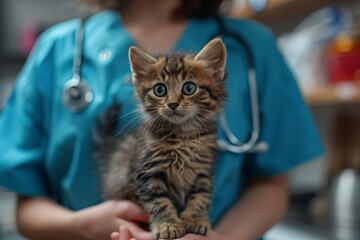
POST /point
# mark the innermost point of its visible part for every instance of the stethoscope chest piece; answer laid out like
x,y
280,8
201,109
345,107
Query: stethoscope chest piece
x,y
77,95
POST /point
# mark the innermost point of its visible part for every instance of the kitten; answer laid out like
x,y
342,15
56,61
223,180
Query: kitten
x,y
166,165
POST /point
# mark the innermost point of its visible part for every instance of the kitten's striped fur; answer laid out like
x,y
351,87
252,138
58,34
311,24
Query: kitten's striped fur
x,y
167,164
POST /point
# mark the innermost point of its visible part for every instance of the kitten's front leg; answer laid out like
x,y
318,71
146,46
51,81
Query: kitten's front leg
x,y
195,214
165,222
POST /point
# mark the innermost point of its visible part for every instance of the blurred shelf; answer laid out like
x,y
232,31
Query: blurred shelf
x,y
279,11
283,7
247,12
332,95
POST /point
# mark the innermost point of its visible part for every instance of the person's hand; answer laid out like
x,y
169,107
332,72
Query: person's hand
x,y
128,232
131,231
99,221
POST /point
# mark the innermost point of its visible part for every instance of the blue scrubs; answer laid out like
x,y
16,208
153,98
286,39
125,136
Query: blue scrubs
x,y
46,150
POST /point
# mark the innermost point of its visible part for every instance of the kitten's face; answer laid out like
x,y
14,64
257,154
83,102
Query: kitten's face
x,y
180,88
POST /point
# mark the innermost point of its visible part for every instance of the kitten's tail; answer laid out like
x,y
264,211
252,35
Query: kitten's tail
x,y
104,131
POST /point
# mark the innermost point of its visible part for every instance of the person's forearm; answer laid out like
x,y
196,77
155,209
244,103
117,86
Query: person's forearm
x,y
41,218
262,205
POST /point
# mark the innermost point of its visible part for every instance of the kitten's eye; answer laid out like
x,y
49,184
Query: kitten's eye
x,y
189,88
160,90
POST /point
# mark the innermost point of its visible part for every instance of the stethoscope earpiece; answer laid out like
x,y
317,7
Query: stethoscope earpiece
x,y
77,95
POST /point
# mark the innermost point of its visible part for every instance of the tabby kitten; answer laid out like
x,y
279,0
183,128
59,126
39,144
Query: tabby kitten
x,y
166,165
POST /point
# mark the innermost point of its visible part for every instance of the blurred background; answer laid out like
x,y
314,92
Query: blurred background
x,y
321,41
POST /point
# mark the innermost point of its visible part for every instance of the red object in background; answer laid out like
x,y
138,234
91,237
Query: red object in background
x,y
28,37
343,59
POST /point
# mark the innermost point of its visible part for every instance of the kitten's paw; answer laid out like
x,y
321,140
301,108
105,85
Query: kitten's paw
x,y
169,230
198,226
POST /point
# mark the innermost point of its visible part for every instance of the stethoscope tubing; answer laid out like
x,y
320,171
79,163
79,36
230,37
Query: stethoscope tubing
x,y
252,145
78,52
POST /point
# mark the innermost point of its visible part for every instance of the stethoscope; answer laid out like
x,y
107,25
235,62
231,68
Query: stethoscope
x,y
77,95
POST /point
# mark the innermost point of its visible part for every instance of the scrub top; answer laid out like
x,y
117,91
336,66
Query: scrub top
x,y
46,149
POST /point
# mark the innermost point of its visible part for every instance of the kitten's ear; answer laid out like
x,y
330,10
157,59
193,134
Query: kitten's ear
x,y
213,55
139,61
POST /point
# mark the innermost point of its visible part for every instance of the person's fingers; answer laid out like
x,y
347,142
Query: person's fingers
x,y
135,230
130,211
115,236
139,233
124,233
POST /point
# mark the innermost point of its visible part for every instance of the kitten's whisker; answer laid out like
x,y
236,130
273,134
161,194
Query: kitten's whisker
x,y
206,110
207,130
137,111
132,126
144,129
154,127
117,119
137,120
153,120
198,133
156,123
141,134
207,117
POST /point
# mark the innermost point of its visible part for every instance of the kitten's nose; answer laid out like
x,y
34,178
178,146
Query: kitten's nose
x,y
173,105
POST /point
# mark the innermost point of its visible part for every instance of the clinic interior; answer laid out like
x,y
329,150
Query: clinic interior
x,y
327,67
